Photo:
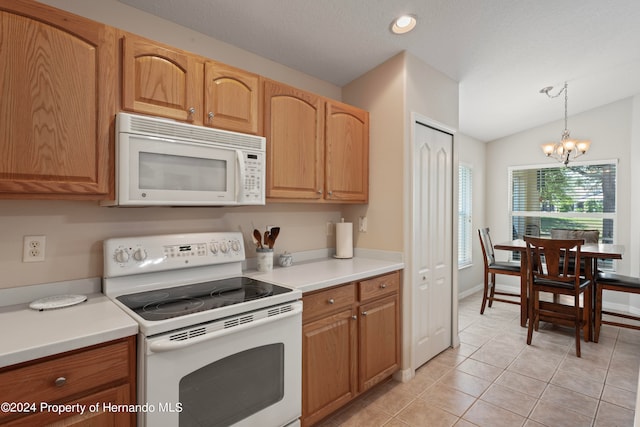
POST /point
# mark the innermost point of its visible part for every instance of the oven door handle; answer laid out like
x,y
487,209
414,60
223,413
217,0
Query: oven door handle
x,y
166,344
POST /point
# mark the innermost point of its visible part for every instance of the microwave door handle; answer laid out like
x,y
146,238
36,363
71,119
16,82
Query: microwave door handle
x,y
241,175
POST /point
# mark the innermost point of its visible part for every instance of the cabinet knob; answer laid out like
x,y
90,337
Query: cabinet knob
x,y
320,191
330,193
331,301
59,382
354,317
191,111
364,313
210,115
383,286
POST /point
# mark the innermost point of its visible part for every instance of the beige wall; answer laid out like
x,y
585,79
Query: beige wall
x,y
75,230
381,92
473,153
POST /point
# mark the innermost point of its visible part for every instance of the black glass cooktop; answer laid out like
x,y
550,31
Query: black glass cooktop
x,y
181,300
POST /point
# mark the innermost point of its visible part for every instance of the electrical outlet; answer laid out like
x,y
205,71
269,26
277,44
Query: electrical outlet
x,y
33,248
362,224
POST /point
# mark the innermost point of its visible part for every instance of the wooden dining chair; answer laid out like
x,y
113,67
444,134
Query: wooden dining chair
x,y
493,267
589,236
618,283
549,273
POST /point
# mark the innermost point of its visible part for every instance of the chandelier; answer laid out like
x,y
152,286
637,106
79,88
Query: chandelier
x,y
567,149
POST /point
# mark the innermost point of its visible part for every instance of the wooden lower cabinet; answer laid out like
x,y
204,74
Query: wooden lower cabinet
x,y
379,341
329,349
94,378
350,342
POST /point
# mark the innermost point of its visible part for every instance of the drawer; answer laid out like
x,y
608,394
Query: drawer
x,y
74,374
379,286
328,300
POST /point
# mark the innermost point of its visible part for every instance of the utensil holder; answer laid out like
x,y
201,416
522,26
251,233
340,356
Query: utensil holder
x,y
265,259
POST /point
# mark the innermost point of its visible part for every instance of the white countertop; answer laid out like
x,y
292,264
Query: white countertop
x,y
313,275
29,334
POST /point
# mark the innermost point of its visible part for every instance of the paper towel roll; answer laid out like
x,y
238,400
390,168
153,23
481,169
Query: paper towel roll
x,y
344,240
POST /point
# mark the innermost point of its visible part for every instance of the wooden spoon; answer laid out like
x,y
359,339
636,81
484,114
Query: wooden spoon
x,y
273,236
258,238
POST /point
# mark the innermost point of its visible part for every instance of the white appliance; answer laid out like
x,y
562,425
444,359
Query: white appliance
x,y
162,162
215,348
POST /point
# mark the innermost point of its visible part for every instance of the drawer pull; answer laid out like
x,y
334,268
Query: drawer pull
x,y
331,301
59,382
383,285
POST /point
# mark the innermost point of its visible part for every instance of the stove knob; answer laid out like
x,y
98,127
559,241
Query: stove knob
x,y
121,255
140,254
235,245
224,248
214,247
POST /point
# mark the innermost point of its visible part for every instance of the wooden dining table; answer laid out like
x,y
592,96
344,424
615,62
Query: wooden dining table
x,y
590,251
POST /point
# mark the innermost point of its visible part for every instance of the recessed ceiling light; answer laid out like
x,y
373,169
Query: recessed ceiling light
x,y
403,24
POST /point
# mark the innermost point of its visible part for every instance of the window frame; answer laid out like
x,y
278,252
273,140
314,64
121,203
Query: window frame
x,y
465,234
545,214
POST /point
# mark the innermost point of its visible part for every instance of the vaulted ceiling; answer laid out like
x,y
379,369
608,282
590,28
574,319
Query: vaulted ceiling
x,y
502,52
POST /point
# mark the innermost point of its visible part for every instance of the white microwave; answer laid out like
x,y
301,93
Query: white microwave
x,y
162,162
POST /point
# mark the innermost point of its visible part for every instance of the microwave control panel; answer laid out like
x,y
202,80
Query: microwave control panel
x,y
254,177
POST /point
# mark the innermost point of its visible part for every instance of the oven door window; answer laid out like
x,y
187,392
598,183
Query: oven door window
x,y
218,394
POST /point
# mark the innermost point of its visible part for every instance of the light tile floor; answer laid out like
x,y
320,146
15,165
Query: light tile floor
x,y
495,379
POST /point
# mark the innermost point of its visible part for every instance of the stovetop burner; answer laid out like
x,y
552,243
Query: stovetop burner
x,y
186,299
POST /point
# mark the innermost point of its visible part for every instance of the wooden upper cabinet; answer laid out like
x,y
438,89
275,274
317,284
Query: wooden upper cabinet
x,y
57,104
160,80
231,98
347,153
294,123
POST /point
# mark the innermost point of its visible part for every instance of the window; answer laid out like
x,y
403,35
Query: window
x,y
576,197
465,233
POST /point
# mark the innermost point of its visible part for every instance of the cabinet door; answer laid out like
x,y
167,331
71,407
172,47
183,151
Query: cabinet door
x,y
97,412
160,80
294,123
379,341
347,153
57,103
328,365
231,98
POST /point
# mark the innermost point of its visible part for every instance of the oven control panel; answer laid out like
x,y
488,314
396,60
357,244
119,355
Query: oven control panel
x,y
146,254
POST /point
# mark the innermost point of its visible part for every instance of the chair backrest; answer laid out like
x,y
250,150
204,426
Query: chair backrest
x,y
589,236
546,259
532,230
487,246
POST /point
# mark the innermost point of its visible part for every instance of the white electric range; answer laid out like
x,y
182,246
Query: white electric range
x,y
215,348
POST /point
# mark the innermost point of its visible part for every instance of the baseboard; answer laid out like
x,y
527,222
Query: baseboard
x,y
404,375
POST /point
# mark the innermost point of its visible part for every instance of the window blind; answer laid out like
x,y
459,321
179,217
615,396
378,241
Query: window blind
x,y
465,232
577,197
